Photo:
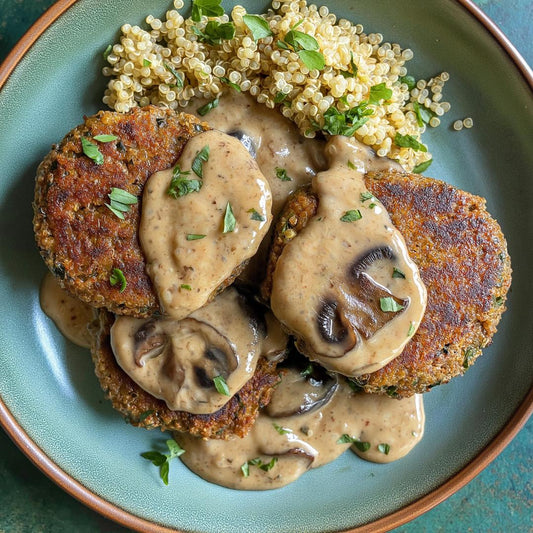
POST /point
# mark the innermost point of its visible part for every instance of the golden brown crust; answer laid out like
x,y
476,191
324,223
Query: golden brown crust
x,y
463,260
141,409
80,239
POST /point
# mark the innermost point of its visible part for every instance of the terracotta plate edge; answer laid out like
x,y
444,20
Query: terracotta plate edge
x,y
395,519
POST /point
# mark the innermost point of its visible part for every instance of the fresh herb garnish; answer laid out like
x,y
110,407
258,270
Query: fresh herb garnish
x,y
245,468
468,358
255,215
367,195
281,430
362,446
347,122
118,277
91,151
194,236
423,114
389,305
185,287
229,219
308,370
305,46
221,386
351,165
175,73
282,175
397,273
215,32
351,216
384,448
411,330
353,67
202,111
163,460
230,83
105,138
258,26
180,185
197,163
409,81
422,166
279,98
146,62
209,8
107,51
120,202
408,141
379,92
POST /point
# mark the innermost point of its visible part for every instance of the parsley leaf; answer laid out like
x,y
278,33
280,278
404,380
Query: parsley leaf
x,y
408,141
104,138
389,305
180,185
347,122
221,386
351,216
281,430
362,446
163,460
354,69
121,201
379,92
201,157
215,32
423,114
229,219
194,236
397,273
202,111
230,83
384,448
91,151
409,81
255,215
258,26
175,73
422,166
411,329
117,276
208,8
282,175
306,46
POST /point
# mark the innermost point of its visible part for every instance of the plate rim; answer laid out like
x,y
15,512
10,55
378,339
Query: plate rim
x,y
395,519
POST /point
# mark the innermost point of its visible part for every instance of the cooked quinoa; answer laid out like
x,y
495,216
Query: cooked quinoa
x,y
168,64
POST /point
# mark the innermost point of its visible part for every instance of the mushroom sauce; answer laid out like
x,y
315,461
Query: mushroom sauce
x,y
325,288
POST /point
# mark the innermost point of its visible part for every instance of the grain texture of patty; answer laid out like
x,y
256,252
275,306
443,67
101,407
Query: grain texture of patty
x,y
79,237
144,410
462,257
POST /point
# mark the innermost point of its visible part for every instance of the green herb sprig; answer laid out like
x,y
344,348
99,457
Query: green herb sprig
x,y
120,202
362,446
245,468
306,46
117,277
221,386
163,460
258,26
215,32
180,185
389,305
207,8
229,220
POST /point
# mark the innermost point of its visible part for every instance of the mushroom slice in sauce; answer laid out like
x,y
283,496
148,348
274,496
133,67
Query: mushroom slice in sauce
x,y
178,360
334,286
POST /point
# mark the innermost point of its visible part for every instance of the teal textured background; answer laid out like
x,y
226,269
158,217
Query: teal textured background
x,y
499,499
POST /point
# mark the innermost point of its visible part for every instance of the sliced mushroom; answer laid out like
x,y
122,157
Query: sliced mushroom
x,y
300,393
352,311
148,342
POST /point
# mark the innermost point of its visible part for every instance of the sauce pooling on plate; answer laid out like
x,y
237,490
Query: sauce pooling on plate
x,y
307,424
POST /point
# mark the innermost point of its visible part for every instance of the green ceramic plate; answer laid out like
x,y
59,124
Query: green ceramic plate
x,y
48,385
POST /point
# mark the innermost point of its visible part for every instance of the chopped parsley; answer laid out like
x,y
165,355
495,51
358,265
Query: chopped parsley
x,y
221,386
384,448
350,73
185,287
362,446
423,114
411,330
347,122
367,195
306,46
351,165
208,8
180,185
254,215
107,51
229,219
215,32
351,216
201,157
91,151
397,273
228,82
422,166
175,73
146,62
245,468
194,236
282,175
105,138
118,277
389,305
163,460
408,141
120,202
202,111
468,358
281,430
409,81
258,26
379,92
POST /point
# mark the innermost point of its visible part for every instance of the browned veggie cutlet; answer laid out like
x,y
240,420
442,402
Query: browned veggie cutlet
x,y
79,237
144,410
463,260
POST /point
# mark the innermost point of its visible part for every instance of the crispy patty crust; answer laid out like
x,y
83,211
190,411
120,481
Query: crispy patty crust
x,y
462,257
79,237
144,410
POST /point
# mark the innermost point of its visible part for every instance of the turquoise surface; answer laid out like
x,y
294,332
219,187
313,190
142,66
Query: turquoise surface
x,y
499,499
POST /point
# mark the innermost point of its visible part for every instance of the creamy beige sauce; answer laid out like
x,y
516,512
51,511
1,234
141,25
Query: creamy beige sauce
x,y
186,272
276,141
71,316
340,273
301,429
179,360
